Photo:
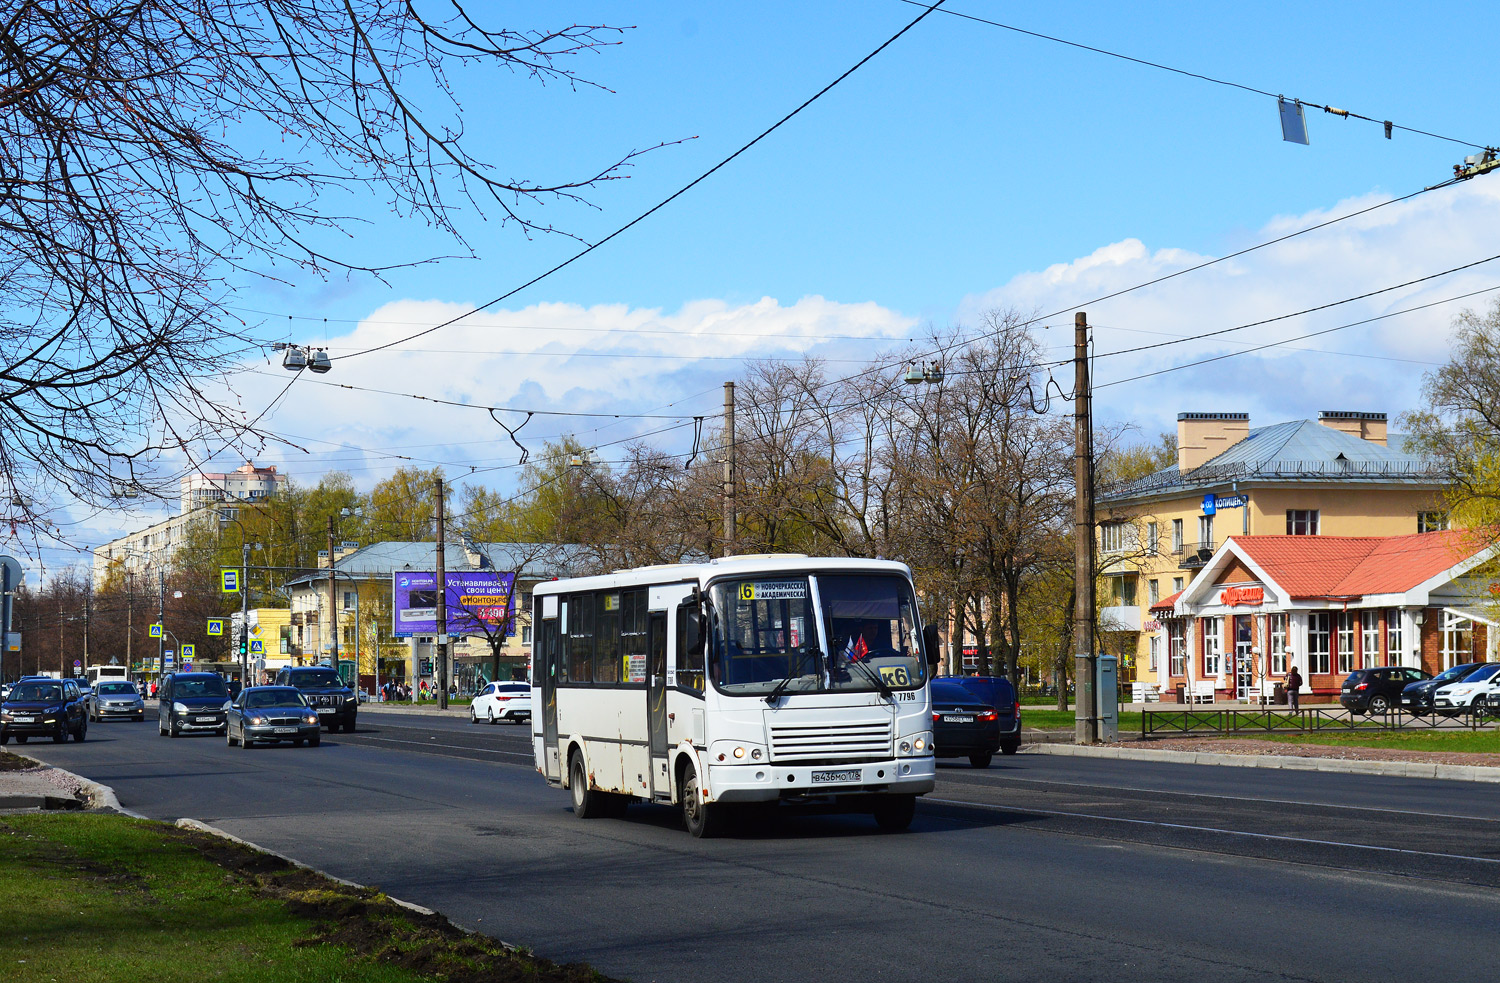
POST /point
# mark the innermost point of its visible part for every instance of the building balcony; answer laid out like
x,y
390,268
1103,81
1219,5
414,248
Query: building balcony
x,y
1120,617
1195,556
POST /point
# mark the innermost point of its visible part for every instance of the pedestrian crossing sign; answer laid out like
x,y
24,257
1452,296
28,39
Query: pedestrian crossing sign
x,y
156,631
257,646
187,651
215,626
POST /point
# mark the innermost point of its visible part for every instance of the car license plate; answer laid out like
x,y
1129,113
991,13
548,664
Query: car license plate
x,y
203,720
847,775
325,709
283,730
25,720
953,718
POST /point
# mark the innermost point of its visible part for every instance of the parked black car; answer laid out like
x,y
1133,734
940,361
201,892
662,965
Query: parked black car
x,y
272,713
44,707
325,692
1417,697
963,724
191,701
1379,689
998,692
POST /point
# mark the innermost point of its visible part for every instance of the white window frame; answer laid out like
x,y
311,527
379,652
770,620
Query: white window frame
x,y
1176,535
1276,626
1178,583
1114,537
1213,647
1153,537
1303,522
1205,532
1319,635
1346,641
1369,637
1435,520
1453,628
1153,590
1395,645
1177,647
1156,652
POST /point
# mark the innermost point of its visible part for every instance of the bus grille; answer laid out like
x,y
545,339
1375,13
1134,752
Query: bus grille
x,y
831,742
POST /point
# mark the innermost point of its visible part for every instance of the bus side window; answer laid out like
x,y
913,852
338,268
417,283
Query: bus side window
x,y
689,663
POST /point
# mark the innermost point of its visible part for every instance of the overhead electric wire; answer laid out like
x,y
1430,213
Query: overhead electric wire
x,y
665,201
1196,75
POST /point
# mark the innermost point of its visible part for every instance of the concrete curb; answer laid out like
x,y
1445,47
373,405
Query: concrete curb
x,y
203,827
95,795
1397,769
453,708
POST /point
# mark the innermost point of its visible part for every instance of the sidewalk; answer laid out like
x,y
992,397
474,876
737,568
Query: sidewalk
x,y
1287,762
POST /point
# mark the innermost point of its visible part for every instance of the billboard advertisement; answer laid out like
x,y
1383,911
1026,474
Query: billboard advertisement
x,y
478,602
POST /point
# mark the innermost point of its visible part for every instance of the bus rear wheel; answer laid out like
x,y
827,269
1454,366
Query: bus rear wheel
x,y
702,819
893,813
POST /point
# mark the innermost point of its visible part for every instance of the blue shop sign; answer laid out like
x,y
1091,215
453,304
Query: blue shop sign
x,y
1212,503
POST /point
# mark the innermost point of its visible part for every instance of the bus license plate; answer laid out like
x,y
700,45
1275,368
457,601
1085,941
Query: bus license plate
x,y
848,775
950,718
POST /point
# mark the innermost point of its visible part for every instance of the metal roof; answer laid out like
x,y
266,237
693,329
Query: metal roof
x,y
1299,450
540,561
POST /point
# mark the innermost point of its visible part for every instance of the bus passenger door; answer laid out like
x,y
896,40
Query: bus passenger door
x,y
656,705
553,769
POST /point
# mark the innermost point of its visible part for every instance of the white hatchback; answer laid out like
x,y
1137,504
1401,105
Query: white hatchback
x,y
1471,693
501,701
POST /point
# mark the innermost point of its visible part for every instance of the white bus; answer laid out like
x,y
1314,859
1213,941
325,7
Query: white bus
x,y
754,679
98,674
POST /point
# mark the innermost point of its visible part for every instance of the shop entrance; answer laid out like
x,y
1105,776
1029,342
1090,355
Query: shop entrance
x,y
1244,659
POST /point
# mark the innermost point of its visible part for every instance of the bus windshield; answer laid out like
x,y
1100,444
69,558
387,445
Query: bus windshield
x,y
767,636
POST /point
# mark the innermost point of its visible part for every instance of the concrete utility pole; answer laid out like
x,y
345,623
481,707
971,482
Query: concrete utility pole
x,y
1086,723
245,613
161,619
731,460
441,669
333,596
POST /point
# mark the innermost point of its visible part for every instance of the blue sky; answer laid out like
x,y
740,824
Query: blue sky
x,y
962,169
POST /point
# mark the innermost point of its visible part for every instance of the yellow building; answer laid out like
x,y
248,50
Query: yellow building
x,y
1341,475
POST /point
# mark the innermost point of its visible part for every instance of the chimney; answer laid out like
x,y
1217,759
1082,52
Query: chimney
x,y
1201,437
1365,426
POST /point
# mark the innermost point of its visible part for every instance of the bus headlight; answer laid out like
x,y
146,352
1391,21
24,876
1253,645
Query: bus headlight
x,y
915,745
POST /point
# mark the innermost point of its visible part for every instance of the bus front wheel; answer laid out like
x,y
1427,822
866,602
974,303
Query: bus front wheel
x,y
587,803
702,819
893,813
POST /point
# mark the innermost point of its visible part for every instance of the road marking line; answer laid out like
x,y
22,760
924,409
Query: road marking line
x,y
455,747
1213,829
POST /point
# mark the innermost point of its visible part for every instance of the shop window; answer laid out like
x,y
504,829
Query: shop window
x,y
1213,646
1177,647
1395,650
1155,652
1176,535
1346,641
1369,637
1301,522
1317,642
1432,521
1278,644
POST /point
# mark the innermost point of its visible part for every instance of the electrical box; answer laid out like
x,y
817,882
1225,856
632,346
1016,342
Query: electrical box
x,y
1107,697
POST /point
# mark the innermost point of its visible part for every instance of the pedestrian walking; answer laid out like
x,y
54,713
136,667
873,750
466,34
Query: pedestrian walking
x,y
1294,687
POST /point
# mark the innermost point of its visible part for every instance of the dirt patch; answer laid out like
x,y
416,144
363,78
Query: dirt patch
x,y
366,922
10,762
1239,745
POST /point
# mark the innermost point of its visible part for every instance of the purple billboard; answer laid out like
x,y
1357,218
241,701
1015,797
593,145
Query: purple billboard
x,y
479,602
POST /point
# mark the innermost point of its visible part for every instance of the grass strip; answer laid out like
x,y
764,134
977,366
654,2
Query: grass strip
x,y
101,897
1483,741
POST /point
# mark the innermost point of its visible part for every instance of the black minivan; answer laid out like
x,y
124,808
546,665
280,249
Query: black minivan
x,y
1378,690
191,702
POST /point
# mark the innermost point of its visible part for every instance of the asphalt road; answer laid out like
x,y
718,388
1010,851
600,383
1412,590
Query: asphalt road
x,y
1040,867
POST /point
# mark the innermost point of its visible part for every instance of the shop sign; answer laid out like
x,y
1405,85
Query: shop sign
x,y
1212,503
1234,596
1151,626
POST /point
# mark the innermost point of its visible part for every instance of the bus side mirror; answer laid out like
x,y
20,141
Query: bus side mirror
x,y
933,643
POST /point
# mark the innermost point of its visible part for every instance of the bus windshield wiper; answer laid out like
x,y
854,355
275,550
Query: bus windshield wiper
x,y
874,677
775,694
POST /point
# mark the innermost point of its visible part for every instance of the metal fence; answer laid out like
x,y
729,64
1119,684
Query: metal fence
x,y
1172,723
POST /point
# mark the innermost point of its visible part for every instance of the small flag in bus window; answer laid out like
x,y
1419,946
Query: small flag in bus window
x,y
1293,123
856,650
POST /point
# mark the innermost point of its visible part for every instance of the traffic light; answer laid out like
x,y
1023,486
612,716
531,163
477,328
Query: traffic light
x,y
244,644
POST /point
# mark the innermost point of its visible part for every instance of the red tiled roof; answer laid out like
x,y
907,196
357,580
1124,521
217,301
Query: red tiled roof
x,y
1168,602
1352,566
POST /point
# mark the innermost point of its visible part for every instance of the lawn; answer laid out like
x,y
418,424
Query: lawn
x,y
1465,740
1064,720
97,897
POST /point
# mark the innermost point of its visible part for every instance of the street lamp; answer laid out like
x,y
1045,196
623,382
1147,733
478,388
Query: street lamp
x,y
244,639
299,357
333,591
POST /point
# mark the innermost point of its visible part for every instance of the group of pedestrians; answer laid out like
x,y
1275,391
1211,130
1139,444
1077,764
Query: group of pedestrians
x,y
392,691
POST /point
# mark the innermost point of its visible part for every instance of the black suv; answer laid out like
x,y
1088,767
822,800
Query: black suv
x,y
1378,690
191,701
1417,697
44,707
325,692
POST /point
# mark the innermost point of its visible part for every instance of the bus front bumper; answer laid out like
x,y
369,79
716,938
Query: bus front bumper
x,y
771,782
